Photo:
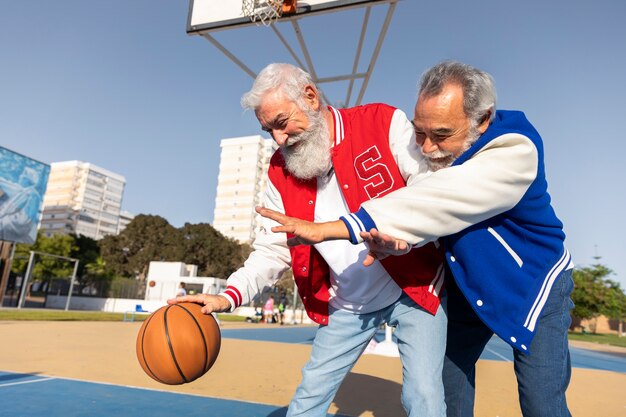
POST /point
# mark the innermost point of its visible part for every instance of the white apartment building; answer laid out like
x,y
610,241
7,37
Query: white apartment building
x,y
241,183
82,198
125,218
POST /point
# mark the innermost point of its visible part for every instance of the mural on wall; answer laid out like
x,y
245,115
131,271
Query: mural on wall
x,y
22,186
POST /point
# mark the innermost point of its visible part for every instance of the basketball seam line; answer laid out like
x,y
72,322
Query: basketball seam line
x,y
143,352
206,348
169,343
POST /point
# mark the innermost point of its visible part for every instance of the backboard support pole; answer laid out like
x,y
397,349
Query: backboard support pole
x,y
379,44
229,55
305,52
287,46
304,49
357,56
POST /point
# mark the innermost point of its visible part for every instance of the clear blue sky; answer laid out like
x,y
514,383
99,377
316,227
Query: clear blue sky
x,y
121,85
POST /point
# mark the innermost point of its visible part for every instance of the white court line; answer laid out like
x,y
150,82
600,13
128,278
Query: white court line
x,y
498,355
26,382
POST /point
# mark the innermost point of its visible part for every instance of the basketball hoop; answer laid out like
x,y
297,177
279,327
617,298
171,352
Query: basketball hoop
x,y
266,12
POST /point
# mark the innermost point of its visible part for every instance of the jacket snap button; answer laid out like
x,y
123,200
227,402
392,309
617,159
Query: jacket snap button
x,y
304,269
310,202
479,303
452,258
345,186
513,339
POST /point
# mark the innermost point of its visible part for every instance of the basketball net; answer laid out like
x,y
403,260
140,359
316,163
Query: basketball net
x,y
266,12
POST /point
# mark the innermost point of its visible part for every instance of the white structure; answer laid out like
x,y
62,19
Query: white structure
x,y
164,278
241,182
162,284
125,218
82,198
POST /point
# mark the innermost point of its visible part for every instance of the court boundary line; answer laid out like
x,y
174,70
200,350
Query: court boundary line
x,y
504,358
9,384
51,377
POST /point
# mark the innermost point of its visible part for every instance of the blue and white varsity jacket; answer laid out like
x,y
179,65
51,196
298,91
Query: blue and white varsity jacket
x,y
503,240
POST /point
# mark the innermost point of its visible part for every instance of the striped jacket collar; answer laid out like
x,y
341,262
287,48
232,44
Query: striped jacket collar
x,y
338,122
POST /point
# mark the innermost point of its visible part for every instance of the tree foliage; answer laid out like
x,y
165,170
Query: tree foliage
x,y
614,301
128,255
146,238
46,267
594,294
215,254
151,238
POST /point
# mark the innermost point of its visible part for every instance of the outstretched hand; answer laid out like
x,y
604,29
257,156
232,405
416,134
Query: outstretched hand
x,y
211,303
382,245
305,232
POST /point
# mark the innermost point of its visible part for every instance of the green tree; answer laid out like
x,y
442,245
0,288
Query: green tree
x,y
46,267
146,238
86,250
614,303
215,254
589,291
92,270
97,277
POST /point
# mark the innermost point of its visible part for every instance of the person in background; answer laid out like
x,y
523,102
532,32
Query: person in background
x,y
268,310
181,292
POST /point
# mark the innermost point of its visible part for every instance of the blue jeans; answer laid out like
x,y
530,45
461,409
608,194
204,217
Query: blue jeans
x,y
337,346
542,376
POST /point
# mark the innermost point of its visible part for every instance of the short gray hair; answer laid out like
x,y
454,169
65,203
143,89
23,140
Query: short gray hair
x,y
479,90
279,78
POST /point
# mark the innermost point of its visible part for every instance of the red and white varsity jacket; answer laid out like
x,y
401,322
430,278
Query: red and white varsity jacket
x,y
366,168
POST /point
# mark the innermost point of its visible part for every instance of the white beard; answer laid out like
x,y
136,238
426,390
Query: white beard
x,y
442,159
307,155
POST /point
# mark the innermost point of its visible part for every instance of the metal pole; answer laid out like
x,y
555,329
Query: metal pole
x,y
229,55
69,294
6,271
379,44
291,51
357,56
29,269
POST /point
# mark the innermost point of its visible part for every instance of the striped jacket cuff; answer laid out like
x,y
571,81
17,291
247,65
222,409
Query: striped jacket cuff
x,y
358,222
233,295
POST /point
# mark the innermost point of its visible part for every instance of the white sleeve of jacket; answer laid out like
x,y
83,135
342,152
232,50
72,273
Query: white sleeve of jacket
x,y
449,200
410,160
268,261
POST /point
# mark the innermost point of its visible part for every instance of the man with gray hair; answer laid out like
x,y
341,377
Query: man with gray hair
x,y
504,244
330,161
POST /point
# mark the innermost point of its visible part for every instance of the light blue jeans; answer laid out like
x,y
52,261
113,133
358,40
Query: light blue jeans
x,y
337,346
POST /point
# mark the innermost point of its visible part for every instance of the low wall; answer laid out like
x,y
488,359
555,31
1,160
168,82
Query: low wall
x,y
121,305
110,305
600,324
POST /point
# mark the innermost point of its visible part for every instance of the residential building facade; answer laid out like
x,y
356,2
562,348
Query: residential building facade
x,y
241,182
125,218
82,198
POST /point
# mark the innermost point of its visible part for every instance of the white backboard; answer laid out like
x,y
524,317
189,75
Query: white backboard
x,y
211,15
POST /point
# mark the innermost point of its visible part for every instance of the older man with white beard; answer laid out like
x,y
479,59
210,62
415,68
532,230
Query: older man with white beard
x,y
330,161
504,243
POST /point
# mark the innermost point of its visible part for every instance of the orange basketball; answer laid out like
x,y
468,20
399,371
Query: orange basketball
x,y
178,344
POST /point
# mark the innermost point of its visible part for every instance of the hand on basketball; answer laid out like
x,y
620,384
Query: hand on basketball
x,y
306,233
382,245
211,303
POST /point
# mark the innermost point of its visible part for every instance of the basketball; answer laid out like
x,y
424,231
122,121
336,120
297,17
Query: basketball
x,y
178,344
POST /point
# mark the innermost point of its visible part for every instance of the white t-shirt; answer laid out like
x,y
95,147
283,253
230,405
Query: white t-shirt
x,y
354,287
